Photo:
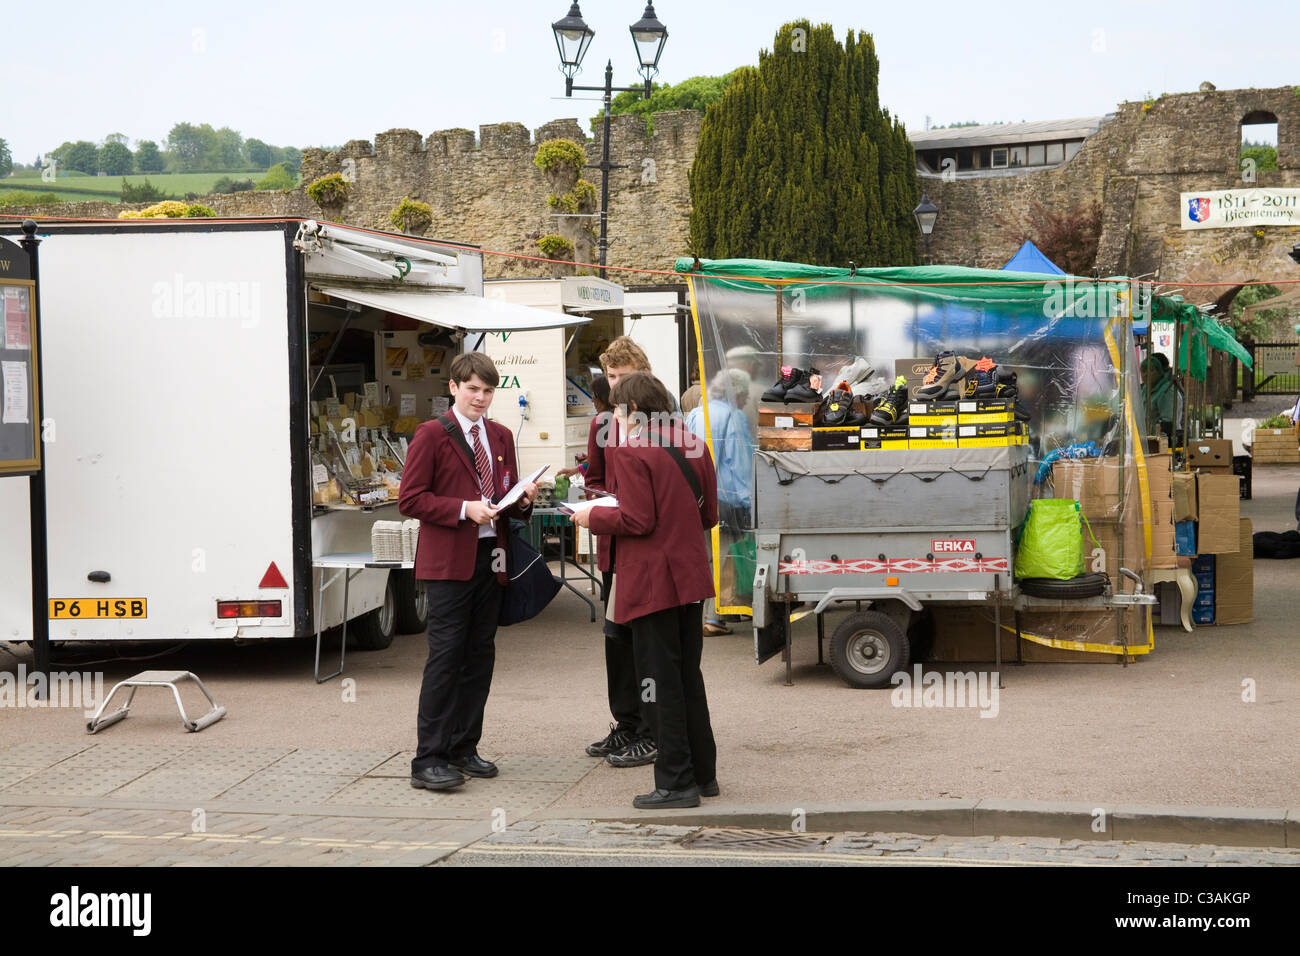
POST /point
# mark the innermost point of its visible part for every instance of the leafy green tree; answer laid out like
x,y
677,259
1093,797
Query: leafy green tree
x,y
798,162
147,157
1264,155
188,144
696,93
6,159
227,149
278,176
1266,324
293,159
115,159
259,154
81,156
119,138
144,192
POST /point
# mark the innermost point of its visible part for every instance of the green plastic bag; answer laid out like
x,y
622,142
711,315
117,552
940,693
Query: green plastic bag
x,y
744,554
1051,542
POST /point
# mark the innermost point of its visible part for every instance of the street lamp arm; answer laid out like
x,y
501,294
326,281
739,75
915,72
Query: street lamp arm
x,y
612,89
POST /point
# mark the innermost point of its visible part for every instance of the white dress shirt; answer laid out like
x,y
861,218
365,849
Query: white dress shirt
x,y
484,530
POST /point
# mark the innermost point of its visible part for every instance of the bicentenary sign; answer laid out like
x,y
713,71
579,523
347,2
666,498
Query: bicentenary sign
x,y
1219,209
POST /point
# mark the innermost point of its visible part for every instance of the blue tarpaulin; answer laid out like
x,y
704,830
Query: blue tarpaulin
x,y
1030,258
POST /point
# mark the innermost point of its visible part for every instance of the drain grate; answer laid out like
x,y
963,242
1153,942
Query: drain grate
x,y
714,838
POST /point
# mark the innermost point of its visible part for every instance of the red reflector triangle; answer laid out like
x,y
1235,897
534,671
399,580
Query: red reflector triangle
x,y
273,578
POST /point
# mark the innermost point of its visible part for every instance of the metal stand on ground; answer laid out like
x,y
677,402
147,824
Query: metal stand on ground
x,y
156,679
997,627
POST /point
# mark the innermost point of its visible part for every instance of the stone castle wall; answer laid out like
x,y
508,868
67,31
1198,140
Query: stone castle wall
x,y
1134,167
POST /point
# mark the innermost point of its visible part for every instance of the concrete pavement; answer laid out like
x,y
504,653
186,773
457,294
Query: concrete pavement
x,y
1172,731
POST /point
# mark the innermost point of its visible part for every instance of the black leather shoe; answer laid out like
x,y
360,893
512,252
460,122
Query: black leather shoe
x,y
668,799
709,789
474,766
437,778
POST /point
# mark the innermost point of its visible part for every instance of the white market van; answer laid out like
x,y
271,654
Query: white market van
x,y
180,361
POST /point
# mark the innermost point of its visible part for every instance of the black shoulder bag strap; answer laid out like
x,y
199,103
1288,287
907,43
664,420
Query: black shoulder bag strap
x,y
456,435
689,474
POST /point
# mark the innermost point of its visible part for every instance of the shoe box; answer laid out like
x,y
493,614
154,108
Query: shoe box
x,y
983,411
798,438
843,438
878,438
931,436
777,415
992,435
932,413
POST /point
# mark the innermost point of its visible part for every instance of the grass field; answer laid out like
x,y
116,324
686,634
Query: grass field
x,y
80,187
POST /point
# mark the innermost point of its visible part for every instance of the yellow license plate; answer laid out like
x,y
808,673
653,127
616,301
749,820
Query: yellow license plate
x,y
71,609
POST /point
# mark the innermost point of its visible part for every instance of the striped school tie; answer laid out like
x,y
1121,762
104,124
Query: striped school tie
x,y
482,463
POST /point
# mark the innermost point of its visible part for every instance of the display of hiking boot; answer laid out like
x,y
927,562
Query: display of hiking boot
x,y
795,385
941,381
859,370
987,379
638,753
837,409
615,740
892,410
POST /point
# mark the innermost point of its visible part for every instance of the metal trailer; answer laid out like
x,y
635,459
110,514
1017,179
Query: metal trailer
x,y
893,531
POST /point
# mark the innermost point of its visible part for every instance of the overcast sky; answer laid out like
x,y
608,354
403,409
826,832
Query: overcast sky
x,y
323,72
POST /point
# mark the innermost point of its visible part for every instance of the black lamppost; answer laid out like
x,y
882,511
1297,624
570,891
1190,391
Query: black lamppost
x,y
572,37
926,213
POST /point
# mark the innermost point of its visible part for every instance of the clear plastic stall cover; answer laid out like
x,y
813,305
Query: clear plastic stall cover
x,y
1069,340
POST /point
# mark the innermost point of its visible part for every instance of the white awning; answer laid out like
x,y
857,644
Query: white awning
x,y
452,310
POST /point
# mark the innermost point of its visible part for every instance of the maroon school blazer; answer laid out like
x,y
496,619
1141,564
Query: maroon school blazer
x,y
437,479
662,560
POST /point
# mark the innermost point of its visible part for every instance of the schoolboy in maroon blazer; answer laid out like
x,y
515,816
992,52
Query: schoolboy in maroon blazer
x,y
449,483
629,742
662,575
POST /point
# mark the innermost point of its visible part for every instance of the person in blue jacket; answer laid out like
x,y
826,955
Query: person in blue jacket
x,y
733,453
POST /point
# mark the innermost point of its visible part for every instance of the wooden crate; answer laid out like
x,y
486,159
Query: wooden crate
x,y
785,439
1275,446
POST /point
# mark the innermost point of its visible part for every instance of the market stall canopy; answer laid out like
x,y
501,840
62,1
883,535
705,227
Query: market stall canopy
x,y
465,313
1030,258
1198,333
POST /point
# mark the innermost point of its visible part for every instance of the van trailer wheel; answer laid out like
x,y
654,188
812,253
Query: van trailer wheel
x,y
374,630
412,602
867,649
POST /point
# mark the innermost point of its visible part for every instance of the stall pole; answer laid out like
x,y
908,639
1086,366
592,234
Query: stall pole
x,y
997,627
1123,454
780,338
821,636
789,657
39,542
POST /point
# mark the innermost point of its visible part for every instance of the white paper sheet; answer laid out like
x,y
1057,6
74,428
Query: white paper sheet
x,y
574,507
15,392
516,492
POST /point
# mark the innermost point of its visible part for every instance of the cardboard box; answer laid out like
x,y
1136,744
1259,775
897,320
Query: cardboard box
x,y
1219,514
1185,538
1235,580
1183,486
913,370
777,415
875,438
837,439
1105,554
785,439
1210,453
982,411
932,436
932,413
1093,482
992,435
1164,551
966,634
1160,475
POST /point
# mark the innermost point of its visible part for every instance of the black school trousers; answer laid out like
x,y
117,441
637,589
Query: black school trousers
x,y
668,645
463,619
621,683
